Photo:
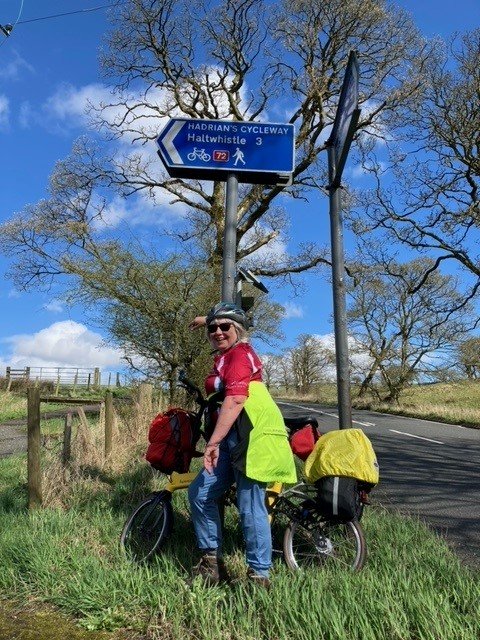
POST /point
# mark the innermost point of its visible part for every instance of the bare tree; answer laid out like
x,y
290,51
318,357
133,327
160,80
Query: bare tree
x,y
310,359
285,371
428,197
469,357
404,331
234,60
270,369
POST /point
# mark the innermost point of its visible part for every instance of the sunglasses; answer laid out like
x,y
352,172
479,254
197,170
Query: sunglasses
x,y
223,326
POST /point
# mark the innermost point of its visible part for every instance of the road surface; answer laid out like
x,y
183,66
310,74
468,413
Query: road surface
x,y
428,469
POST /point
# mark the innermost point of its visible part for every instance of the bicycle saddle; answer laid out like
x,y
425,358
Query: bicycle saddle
x,y
294,424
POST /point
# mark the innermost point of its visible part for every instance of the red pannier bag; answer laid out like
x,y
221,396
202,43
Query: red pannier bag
x,y
302,442
173,436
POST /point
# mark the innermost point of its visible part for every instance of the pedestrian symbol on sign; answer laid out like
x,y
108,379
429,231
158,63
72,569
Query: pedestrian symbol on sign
x,y
239,157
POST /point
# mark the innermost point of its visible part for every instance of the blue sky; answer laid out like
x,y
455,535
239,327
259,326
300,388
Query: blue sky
x,y
47,68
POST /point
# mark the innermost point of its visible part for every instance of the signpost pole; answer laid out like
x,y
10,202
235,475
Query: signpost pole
x,y
346,120
339,303
230,240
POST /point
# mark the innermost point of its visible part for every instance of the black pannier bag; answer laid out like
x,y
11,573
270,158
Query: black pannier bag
x,y
338,498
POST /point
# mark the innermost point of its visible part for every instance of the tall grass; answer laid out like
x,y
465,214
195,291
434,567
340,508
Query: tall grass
x,y
412,588
12,406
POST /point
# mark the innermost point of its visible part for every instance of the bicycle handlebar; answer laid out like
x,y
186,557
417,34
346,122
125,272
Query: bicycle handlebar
x,y
191,387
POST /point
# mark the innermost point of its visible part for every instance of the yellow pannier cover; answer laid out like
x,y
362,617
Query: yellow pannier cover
x,y
345,452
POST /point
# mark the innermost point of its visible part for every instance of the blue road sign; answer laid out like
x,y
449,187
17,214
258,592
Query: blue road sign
x,y
211,149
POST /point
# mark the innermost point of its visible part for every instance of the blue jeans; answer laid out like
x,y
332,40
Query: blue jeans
x,y
204,493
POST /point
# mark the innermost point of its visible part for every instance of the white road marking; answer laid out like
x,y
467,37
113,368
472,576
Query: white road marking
x,y
398,415
324,413
411,435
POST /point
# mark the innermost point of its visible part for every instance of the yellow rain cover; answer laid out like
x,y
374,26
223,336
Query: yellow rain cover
x,y
346,452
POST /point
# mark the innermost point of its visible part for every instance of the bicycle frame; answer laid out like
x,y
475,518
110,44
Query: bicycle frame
x,y
275,495
177,481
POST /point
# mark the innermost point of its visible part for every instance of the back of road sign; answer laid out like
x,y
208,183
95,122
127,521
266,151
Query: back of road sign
x,y
258,153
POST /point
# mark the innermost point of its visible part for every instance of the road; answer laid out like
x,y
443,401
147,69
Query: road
x,y
13,438
13,433
428,469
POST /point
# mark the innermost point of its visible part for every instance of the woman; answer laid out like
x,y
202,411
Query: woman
x,y
248,446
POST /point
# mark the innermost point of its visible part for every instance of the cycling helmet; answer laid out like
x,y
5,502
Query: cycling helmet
x,y
230,311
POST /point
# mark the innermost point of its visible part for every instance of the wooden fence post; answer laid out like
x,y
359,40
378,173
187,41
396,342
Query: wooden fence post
x,y
34,471
75,381
145,392
9,378
144,405
67,440
109,417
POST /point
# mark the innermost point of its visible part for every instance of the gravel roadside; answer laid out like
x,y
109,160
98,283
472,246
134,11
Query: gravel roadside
x,y
13,433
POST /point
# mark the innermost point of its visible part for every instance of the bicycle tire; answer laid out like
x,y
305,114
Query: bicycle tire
x,y
327,543
147,527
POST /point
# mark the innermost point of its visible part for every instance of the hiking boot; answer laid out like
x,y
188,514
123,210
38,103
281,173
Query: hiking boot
x,y
261,581
211,569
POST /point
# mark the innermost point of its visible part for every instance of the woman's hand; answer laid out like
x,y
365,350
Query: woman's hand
x,y
210,457
229,412
197,322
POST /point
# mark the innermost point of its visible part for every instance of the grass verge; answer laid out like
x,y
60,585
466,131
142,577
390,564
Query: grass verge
x,y
454,403
412,588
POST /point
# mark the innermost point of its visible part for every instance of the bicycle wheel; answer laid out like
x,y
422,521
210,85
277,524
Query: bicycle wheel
x,y
324,544
148,527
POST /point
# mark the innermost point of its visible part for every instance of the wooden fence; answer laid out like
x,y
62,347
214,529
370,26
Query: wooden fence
x,y
62,376
34,440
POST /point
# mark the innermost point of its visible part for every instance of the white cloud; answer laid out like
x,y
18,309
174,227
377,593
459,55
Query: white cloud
x,y
275,250
133,115
113,214
4,111
377,127
11,70
54,306
69,104
136,116
62,344
293,311
360,171
136,210
360,360
26,115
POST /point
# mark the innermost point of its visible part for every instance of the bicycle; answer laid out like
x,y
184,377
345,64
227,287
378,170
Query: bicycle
x,y
310,539
201,154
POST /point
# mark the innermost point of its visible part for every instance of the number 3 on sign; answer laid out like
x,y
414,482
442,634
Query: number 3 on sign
x,y
258,141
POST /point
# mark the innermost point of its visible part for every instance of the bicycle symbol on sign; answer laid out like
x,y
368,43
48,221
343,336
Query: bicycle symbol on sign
x,y
201,154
